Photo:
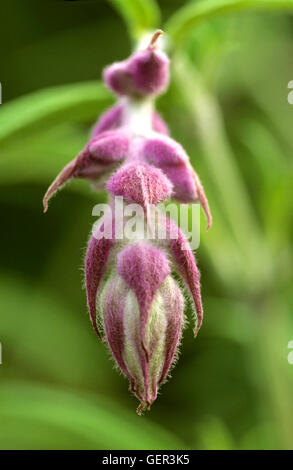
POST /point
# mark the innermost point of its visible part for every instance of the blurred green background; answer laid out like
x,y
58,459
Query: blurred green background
x,y
227,104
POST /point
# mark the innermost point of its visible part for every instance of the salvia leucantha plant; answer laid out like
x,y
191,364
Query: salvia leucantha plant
x,y
135,304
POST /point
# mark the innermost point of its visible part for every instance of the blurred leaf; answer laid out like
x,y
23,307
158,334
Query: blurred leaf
x,y
214,435
264,436
99,423
41,109
189,16
38,157
33,325
139,15
231,319
42,131
274,179
239,212
274,337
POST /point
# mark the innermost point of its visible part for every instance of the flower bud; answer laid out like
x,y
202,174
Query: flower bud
x,y
142,310
150,72
141,184
140,305
144,73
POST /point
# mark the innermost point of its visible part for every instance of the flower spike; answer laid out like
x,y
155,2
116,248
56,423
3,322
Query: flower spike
x,y
135,302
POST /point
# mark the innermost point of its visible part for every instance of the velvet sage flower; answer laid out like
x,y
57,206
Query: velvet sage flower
x,y
135,302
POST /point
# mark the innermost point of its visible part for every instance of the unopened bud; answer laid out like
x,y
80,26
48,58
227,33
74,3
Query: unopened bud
x,y
144,73
142,309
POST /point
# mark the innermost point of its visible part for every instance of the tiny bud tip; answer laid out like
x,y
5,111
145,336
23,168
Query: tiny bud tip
x,y
153,42
209,224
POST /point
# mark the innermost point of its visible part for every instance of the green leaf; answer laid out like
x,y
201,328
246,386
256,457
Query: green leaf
x,y
39,110
51,337
139,15
39,156
93,421
189,16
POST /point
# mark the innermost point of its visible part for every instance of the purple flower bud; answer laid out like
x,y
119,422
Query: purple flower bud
x,y
140,306
141,184
118,79
142,310
144,73
149,71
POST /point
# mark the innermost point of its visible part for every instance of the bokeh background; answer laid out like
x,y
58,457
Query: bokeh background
x,y
227,104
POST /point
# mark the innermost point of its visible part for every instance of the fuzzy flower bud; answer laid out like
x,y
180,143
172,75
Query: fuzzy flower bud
x,y
139,304
141,184
142,310
134,301
144,73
